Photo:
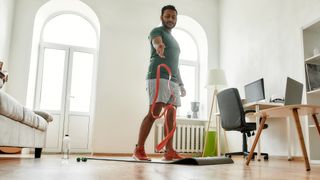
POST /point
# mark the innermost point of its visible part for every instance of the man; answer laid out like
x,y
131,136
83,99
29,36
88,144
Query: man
x,y
164,50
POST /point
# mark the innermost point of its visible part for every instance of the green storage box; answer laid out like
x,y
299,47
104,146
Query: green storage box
x,y
211,147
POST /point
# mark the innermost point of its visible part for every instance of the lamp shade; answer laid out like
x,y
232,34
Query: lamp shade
x,y
216,77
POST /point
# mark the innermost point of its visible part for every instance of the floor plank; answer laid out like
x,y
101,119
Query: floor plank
x,y
53,167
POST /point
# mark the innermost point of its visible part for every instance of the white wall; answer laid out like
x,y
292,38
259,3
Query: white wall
x,y
121,99
6,16
263,38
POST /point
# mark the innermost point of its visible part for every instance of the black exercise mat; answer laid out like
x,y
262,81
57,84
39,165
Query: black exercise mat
x,y
185,161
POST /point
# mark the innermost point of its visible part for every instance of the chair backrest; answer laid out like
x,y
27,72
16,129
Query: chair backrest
x,y
231,110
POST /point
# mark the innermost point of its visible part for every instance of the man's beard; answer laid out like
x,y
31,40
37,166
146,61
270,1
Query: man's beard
x,y
168,26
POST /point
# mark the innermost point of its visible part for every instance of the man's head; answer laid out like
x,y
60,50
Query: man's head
x,y
169,16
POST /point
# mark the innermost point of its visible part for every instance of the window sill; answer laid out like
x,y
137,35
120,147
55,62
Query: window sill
x,y
185,119
189,119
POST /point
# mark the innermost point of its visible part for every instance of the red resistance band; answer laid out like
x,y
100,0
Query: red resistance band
x,y
167,107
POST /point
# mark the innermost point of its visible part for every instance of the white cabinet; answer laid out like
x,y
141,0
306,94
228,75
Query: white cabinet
x,y
311,45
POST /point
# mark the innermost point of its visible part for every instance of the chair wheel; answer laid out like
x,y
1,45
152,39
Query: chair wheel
x,y
266,158
229,156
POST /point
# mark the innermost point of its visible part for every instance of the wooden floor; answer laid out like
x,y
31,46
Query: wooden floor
x,y
53,167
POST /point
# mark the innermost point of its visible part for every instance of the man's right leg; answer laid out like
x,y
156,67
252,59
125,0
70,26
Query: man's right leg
x,y
145,128
170,153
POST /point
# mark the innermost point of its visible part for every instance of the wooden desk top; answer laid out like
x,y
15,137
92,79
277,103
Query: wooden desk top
x,y
285,111
262,105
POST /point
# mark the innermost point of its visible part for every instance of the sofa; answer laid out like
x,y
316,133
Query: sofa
x,y
22,127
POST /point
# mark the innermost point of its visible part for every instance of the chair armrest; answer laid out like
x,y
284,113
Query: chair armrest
x,y
48,117
253,111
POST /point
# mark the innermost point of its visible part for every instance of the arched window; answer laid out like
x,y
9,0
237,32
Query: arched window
x,y
68,44
192,64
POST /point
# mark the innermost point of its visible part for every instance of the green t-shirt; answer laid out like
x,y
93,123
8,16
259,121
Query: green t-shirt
x,y
171,53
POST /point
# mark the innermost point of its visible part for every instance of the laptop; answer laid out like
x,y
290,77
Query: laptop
x,y
294,91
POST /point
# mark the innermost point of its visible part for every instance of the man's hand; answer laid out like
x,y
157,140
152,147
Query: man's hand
x,y
159,46
160,50
183,91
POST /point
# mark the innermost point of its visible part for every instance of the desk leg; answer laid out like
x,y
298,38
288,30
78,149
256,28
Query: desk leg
x,y
256,139
289,139
257,125
218,135
316,122
226,143
302,144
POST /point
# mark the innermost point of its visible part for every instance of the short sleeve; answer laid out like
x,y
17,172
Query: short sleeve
x,y
155,32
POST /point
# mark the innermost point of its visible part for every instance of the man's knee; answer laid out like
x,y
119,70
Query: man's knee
x,y
157,109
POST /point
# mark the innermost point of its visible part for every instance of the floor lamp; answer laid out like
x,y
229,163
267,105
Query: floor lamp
x,y
215,77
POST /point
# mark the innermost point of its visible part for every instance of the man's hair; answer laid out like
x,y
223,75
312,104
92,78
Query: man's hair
x,y
171,7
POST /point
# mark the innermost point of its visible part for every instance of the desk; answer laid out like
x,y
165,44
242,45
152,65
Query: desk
x,y
257,106
287,111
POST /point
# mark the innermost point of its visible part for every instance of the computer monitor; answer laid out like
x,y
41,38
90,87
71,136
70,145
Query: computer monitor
x,y
254,91
293,92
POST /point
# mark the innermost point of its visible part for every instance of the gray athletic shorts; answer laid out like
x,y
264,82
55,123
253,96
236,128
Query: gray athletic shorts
x,y
164,92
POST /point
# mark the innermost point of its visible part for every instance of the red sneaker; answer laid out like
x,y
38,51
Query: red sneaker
x,y
140,154
172,155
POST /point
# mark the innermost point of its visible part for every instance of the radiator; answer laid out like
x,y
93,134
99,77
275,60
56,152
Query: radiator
x,y
188,137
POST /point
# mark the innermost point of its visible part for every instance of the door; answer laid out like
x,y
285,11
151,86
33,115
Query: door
x,y
64,89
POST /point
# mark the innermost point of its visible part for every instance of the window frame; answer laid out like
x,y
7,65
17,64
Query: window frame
x,y
69,13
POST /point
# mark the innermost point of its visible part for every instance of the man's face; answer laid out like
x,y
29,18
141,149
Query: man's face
x,y
169,19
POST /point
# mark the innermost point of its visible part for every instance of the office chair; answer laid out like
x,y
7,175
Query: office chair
x,y
232,116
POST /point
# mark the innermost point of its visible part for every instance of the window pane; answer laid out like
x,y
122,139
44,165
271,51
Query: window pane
x,y
52,79
81,82
188,74
70,29
187,45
